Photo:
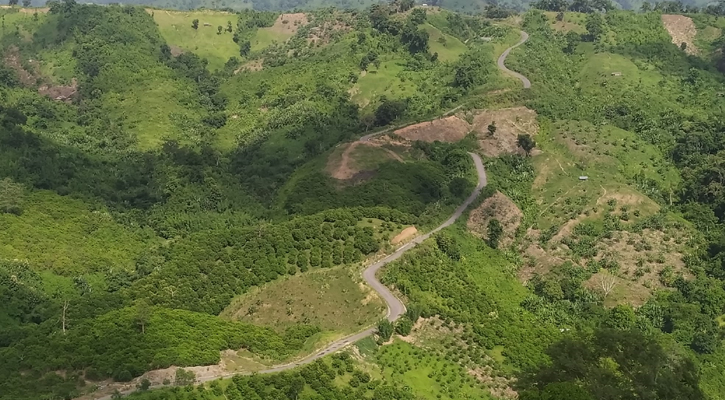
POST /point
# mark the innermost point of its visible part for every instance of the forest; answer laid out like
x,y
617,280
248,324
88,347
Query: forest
x,y
156,167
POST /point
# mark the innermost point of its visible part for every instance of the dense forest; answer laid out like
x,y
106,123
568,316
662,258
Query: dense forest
x,y
156,167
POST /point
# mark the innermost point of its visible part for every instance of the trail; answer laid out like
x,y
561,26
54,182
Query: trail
x,y
502,59
395,306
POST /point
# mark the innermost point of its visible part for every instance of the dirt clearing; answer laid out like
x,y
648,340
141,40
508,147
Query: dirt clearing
x,y
289,23
356,160
449,129
682,30
510,123
406,234
497,207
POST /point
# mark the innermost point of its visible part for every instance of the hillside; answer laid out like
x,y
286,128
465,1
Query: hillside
x,y
368,204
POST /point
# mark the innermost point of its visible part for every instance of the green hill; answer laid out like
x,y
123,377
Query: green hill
x,y
173,194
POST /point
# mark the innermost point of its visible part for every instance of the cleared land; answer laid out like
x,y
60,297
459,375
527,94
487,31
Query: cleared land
x,y
682,30
335,299
497,207
382,81
175,27
448,47
284,28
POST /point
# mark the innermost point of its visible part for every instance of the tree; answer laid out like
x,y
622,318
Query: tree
x,y
405,5
606,282
385,330
244,48
143,314
144,385
526,142
11,197
27,3
184,377
495,231
389,110
622,364
229,27
646,7
492,128
560,16
12,3
195,24
219,30
418,16
404,326
595,26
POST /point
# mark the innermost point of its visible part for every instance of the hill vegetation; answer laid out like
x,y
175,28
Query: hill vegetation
x,y
172,195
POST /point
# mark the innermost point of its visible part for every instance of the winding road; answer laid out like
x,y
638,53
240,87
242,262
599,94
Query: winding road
x,y
502,58
396,308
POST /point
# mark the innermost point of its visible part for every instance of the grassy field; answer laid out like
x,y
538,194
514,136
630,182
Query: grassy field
x,y
572,22
448,47
90,241
22,20
383,81
176,29
335,299
427,375
610,157
267,36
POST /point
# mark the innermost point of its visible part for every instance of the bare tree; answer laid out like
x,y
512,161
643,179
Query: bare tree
x,y
62,317
607,282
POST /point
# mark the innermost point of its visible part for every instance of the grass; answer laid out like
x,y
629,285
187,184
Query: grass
x,y
68,237
572,22
333,299
427,376
383,81
610,157
600,67
175,27
448,47
265,37
14,20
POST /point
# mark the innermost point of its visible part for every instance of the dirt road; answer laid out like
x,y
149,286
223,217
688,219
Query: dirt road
x,y
502,59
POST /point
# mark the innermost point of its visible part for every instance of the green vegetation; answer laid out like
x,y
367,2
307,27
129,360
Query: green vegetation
x,y
176,29
165,196
331,299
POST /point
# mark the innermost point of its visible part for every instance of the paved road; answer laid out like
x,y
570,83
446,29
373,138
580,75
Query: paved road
x,y
502,58
395,306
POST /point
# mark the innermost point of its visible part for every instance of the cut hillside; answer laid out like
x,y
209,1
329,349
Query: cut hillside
x,y
682,30
509,122
448,129
359,160
499,207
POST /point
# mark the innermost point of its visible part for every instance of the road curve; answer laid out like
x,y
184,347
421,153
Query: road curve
x,y
502,59
396,308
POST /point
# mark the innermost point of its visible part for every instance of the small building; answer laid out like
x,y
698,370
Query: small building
x,y
616,74
583,178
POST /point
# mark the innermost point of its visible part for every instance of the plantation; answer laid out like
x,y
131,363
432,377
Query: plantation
x,y
195,189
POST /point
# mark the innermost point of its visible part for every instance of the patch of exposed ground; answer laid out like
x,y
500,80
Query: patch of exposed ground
x,y
682,30
510,122
403,236
29,75
251,66
323,34
344,167
449,129
12,59
289,23
499,207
